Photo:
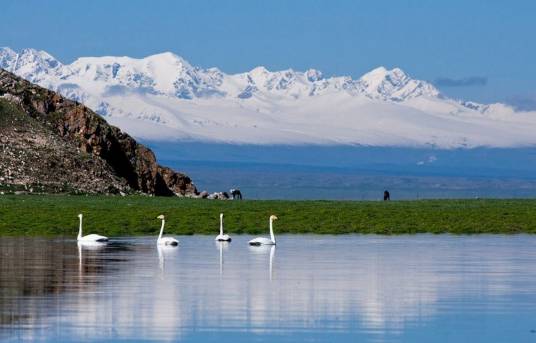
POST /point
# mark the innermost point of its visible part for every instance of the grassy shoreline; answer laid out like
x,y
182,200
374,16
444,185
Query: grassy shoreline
x,y
55,215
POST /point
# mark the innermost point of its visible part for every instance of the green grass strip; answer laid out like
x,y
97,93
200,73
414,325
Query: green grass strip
x,y
46,215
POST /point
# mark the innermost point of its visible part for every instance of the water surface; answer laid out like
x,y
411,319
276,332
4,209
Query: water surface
x,y
309,288
353,172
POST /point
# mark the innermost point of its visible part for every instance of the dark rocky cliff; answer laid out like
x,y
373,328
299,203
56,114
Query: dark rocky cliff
x,y
47,140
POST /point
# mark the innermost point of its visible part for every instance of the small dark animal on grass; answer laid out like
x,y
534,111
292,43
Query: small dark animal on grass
x,y
236,194
386,196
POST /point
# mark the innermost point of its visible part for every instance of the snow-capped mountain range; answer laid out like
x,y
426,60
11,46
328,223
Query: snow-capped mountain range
x,y
163,97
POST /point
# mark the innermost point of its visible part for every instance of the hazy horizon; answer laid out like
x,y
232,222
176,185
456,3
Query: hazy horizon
x,y
353,173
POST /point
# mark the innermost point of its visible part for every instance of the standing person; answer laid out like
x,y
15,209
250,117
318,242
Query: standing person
x,y
386,195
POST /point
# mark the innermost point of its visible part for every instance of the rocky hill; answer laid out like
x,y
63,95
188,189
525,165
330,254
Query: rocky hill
x,y
52,144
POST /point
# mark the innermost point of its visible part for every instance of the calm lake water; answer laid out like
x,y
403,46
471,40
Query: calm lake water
x,y
353,172
309,288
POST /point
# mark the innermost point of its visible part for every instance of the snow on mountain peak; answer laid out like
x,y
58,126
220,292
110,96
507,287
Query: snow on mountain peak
x,y
164,74
37,59
313,75
260,70
7,58
169,74
7,53
29,63
163,96
376,73
395,85
169,59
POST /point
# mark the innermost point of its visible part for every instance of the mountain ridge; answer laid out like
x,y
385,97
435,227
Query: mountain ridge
x,y
53,144
164,97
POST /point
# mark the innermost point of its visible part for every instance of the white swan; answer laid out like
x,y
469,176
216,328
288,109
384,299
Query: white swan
x,y
165,240
263,240
89,238
221,237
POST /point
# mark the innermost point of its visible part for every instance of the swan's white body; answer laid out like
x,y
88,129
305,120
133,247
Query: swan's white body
x,y
221,237
165,240
264,240
89,239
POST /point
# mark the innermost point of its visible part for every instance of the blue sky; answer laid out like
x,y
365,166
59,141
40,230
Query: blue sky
x,y
479,50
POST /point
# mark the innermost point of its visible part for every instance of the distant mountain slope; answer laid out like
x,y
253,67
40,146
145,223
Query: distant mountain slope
x,y
163,97
52,144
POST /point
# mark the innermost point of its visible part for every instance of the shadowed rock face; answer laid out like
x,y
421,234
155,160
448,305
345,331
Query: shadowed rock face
x,y
130,162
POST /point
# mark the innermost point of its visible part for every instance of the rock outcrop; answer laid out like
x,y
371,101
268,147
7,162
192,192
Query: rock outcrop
x,y
78,148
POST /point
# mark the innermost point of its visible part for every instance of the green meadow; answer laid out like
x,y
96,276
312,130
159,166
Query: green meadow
x,y
51,215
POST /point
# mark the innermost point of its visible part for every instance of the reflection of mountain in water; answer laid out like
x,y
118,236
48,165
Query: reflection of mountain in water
x,y
363,285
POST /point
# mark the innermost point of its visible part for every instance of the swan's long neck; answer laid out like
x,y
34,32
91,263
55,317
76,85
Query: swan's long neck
x,y
272,237
221,226
80,229
162,229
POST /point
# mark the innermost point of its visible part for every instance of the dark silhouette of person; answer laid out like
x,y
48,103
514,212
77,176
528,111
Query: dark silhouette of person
x,y
386,196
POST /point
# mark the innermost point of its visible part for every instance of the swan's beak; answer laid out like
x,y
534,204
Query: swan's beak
x,y
275,218
161,217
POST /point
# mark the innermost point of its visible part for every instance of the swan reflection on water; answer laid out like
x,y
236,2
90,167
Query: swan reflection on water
x,y
352,288
164,250
264,250
89,246
222,245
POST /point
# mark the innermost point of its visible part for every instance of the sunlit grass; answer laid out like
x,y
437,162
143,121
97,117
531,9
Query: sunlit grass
x,y
136,215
